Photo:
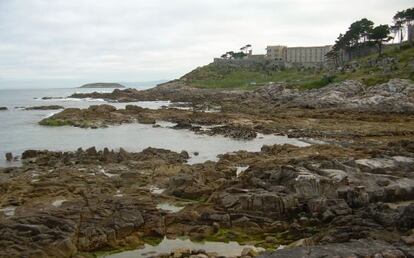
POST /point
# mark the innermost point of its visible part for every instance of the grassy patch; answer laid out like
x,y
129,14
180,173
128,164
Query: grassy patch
x,y
325,80
154,241
221,77
243,79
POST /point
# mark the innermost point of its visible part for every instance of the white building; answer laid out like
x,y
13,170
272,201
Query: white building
x,y
303,56
276,52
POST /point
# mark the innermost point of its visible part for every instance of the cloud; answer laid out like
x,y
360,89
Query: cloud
x,y
136,40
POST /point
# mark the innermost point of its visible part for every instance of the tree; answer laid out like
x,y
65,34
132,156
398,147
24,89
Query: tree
x,y
355,37
397,30
399,25
360,30
230,54
379,35
409,18
245,49
333,55
365,29
403,19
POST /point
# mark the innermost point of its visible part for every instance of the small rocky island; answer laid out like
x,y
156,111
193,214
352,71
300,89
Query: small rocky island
x,y
102,85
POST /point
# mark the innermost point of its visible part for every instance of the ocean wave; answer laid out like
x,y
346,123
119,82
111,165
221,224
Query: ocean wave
x,y
51,114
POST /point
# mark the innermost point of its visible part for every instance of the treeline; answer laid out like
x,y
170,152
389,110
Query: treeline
x,y
237,55
363,33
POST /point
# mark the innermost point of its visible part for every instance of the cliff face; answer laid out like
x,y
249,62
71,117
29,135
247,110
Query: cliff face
x,y
102,85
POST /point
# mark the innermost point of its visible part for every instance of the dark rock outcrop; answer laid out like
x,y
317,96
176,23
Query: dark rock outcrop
x,y
50,107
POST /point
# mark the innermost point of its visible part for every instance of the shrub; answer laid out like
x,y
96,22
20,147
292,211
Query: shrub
x,y
325,80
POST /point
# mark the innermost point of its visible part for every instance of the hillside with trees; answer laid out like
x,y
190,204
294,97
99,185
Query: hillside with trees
x,y
366,52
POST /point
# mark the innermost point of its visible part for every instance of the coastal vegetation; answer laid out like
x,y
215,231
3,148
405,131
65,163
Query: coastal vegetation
x,y
391,61
54,122
371,70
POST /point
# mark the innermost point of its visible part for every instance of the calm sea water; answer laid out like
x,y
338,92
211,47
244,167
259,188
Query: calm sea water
x,y
19,129
167,245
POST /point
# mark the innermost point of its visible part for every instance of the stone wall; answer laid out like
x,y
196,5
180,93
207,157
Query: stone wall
x,y
252,64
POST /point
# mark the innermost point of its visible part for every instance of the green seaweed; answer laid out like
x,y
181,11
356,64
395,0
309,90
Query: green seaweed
x,y
54,122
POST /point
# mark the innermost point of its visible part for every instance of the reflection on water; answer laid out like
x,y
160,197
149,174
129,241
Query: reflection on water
x,y
241,170
167,245
132,137
169,207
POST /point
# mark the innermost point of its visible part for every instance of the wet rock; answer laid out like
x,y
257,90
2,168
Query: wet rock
x,y
181,252
146,120
91,152
102,108
9,156
185,186
134,108
185,154
236,132
259,201
183,125
28,154
250,251
50,107
271,240
358,248
317,193
409,240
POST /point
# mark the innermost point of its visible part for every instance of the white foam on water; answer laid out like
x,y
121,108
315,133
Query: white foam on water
x,y
169,207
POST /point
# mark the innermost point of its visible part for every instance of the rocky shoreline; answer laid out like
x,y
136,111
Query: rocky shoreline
x,y
395,96
350,196
78,202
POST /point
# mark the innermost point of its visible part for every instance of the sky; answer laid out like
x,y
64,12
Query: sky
x,y
64,43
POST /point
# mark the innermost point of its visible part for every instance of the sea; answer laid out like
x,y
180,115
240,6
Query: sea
x,y
20,131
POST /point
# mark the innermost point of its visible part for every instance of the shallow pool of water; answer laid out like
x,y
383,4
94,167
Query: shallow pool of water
x,y
132,137
167,245
169,207
20,131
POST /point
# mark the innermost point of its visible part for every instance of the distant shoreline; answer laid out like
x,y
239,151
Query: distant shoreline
x,y
103,85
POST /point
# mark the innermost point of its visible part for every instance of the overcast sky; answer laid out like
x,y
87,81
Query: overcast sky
x,y
52,41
